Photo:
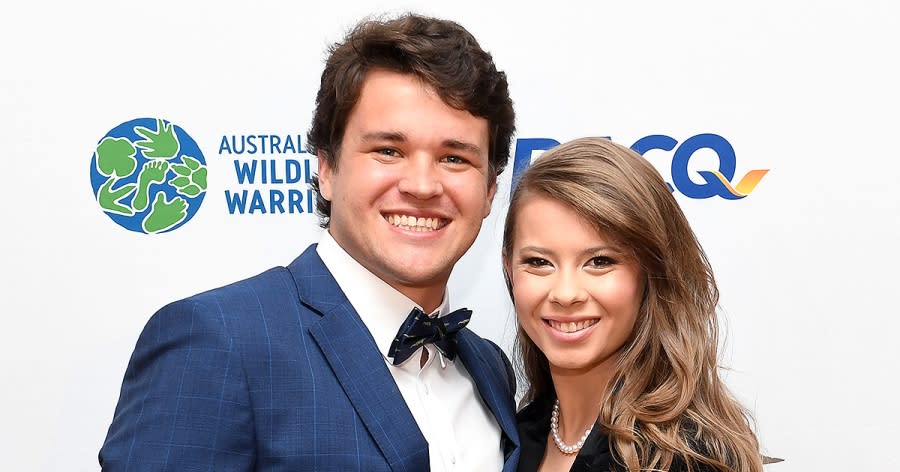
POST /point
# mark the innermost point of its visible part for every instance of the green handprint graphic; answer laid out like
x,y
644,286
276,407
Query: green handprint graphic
x,y
159,144
191,177
165,214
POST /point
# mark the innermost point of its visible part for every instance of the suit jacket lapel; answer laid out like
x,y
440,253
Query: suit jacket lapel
x,y
358,366
490,376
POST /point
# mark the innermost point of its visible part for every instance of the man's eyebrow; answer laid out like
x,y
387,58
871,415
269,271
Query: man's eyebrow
x,y
395,136
398,137
462,146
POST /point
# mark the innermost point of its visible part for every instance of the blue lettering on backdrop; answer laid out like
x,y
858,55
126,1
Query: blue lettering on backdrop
x,y
655,141
269,172
246,172
712,185
680,176
252,201
525,148
261,143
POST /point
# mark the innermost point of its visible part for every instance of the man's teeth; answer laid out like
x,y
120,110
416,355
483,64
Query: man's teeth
x,y
572,326
413,223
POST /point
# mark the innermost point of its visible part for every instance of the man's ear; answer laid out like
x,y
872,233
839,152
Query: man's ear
x,y
492,190
325,174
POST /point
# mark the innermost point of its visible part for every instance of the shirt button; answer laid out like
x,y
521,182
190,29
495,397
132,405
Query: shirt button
x,y
425,387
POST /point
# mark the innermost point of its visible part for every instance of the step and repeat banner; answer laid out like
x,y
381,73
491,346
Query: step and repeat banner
x,y
152,151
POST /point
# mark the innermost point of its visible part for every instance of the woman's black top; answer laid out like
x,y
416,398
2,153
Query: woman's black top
x,y
534,428
594,456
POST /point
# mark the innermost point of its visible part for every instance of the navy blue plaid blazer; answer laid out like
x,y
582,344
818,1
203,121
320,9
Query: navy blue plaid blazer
x,y
278,373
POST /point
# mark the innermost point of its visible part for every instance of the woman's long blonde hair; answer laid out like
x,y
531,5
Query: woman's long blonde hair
x,y
665,401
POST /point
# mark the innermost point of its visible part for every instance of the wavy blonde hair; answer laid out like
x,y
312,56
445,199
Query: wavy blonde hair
x,y
666,402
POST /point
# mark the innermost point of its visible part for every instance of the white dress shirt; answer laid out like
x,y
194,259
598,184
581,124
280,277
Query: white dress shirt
x,y
461,431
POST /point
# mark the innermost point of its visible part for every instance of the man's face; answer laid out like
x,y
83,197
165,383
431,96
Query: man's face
x,y
411,187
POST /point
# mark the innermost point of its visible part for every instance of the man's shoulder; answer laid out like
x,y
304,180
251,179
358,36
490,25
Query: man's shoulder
x,y
227,308
275,283
275,279
232,297
493,354
268,293
481,342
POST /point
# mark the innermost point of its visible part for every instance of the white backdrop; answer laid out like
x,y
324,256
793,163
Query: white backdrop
x,y
806,263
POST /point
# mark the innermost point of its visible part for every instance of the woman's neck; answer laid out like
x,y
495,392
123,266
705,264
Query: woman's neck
x,y
580,394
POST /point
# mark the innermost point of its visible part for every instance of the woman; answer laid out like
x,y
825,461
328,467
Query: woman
x,y
616,304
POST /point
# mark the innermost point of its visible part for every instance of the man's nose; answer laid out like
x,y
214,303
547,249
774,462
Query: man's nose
x,y
421,178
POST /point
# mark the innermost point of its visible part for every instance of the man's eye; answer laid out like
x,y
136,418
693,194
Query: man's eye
x,y
387,152
455,160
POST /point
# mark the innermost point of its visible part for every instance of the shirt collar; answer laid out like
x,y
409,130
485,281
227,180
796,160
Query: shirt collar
x,y
381,307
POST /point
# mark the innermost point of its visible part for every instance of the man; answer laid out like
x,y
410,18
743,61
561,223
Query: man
x,y
304,367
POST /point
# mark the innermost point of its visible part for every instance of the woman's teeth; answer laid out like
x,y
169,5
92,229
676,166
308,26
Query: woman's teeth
x,y
572,326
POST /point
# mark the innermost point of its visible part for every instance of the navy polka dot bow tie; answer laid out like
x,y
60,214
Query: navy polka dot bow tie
x,y
419,329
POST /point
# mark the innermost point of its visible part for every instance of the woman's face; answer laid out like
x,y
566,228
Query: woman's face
x,y
577,295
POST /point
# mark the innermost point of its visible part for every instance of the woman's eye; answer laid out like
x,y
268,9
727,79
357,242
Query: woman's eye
x,y
601,261
387,152
536,262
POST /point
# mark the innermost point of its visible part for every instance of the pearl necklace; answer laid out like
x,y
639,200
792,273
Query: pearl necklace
x,y
554,431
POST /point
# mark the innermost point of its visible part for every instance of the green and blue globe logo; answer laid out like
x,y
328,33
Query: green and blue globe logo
x,y
148,175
